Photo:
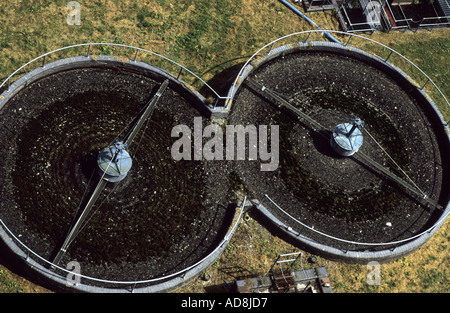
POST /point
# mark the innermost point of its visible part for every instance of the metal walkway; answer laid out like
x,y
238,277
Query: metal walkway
x,y
445,6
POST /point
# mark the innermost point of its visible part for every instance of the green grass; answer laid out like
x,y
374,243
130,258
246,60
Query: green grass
x,y
7,285
432,57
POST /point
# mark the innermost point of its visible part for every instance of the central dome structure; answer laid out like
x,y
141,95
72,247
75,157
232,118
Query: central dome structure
x,y
346,138
114,162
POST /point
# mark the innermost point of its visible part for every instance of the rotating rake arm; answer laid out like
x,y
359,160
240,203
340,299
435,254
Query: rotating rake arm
x,y
79,223
359,156
75,230
412,190
147,114
280,102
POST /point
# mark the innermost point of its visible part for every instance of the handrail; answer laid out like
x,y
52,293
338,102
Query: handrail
x,y
440,220
89,45
226,238
232,90
271,44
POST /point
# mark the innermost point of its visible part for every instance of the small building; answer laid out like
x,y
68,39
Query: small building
x,y
371,15
286,280
313,280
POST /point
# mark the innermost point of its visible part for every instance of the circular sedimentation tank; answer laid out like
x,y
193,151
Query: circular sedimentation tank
x,y
153,228
378,202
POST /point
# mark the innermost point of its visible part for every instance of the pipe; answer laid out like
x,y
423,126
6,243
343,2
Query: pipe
x,y
290,6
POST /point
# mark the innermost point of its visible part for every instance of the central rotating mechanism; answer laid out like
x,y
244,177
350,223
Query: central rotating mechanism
x,y
114,162
347,137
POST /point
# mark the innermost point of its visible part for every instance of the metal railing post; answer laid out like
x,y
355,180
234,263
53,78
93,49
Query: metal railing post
x,y
309,34
348,41
385,60
428,80
270,50
179,73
